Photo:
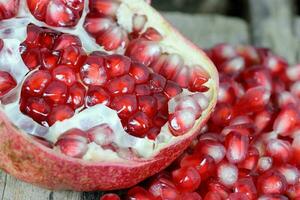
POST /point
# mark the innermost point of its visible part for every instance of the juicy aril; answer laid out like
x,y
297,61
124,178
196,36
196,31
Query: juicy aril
x,y
96,95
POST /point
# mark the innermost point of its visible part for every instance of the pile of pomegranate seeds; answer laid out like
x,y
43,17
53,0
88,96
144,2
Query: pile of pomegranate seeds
x,y
250,148
64,80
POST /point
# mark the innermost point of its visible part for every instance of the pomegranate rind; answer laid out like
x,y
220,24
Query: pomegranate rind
x,y
28,160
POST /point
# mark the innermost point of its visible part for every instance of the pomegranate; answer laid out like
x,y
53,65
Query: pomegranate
x,y
250,147
99,94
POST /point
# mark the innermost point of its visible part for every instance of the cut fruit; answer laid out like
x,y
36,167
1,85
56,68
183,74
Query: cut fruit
x,y
102,86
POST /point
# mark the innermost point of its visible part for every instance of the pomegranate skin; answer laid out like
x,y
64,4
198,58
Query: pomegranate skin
x,y
30,161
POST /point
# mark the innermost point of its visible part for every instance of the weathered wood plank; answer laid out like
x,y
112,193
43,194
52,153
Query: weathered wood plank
x,y
271,26
208,30
2,183
297,32
17,190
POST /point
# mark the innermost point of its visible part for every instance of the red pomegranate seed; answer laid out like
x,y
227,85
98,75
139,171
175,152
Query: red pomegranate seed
x,y
237,147
264,163
241,120
36,108
65,40
257,76
76,95
279,150
217,187
125,105
222,52
249,54
97,95
187,179
172,89
139,193
204,164
227,174
263,119
233,66
49,59
181,121
121,85
7,83
275,64
143,51
153,133
254,100
64,74
271,182
171,66
286,120
58,14
212,148
35,83
33,31
244,129
157,83
247,187
183,77
162,101
293,73
273,197
74,56
152,35
226,93
197,79
60,113
188,102
147,105
101,135
96,25
159,64
212,196
75,4
46,39
191,196
142,89
73,143
110,197
117,65
32,58
238,196
251,159
113,38
56,93
105,7
138,124
160,119
295,89
164,189
139,72
93,71
9,9
293,191
222,114
285,98
290,172
38,8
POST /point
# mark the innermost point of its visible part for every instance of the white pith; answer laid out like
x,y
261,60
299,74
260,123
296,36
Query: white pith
x,y
98,114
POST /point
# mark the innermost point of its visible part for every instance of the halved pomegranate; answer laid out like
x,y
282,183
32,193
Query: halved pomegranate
x,y
97,95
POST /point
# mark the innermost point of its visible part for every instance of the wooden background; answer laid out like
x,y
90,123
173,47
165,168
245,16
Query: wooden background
x,y
268,23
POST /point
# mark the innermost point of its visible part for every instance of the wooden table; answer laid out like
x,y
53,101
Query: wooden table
x,y
270,23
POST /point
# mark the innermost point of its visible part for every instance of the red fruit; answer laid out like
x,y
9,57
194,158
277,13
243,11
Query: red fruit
x,y
286,120
7,83
164,189
212,196
279,150
222,114
247,187
187,179
139,72
60,113
125,105
212,148
97,95
35,83
121,85
251,159
139,193
227,174
271,182
237,147
64,74
9,9
101,54
110,197
117,65
56,93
